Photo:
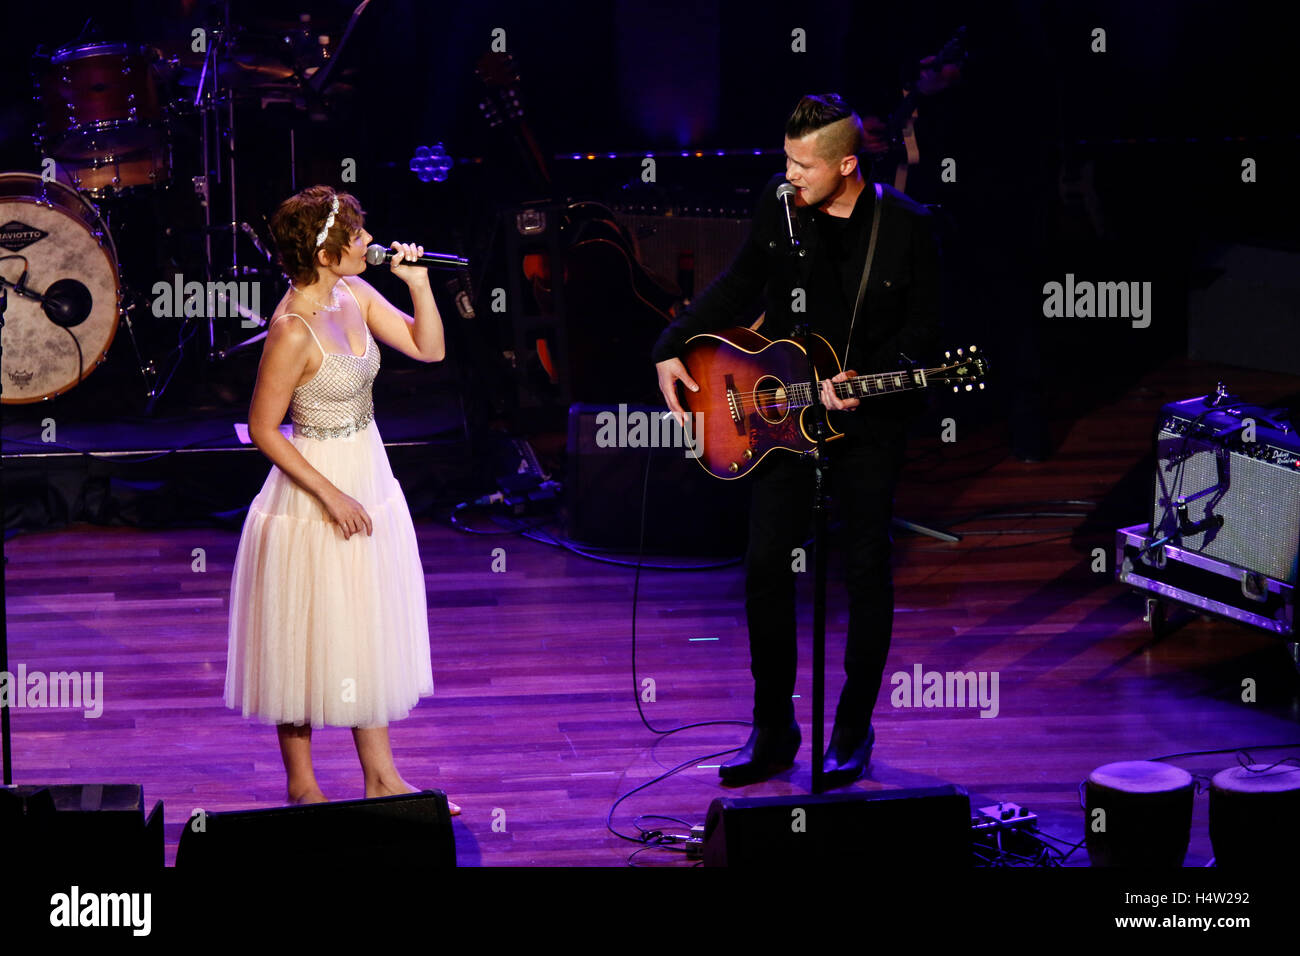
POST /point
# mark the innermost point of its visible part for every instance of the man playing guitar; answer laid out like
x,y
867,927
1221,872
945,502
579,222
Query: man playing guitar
x,y
898,316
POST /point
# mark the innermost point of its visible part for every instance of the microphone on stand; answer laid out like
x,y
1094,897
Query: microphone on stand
x,y
67,303
377,255
785,192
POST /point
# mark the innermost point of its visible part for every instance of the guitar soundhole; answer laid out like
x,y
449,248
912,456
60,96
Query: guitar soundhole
x,y
770,400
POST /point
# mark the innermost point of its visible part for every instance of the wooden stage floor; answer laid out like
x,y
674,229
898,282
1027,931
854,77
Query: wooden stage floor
x,y
534,722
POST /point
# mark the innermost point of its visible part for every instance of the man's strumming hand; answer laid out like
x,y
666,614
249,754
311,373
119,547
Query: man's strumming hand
x,y
670,372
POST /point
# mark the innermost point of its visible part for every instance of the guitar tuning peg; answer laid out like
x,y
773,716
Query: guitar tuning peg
x,y
981,386
959,351
947,355
968,387
956,389
971,349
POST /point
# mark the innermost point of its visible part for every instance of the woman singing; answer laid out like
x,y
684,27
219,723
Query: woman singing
x,y
328,618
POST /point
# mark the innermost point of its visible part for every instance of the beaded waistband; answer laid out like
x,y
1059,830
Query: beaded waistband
x,y
342,431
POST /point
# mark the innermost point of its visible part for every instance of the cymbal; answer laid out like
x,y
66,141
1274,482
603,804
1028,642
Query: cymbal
x,y
241,71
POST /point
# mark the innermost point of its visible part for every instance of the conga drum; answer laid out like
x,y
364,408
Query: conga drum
x,y
1146,814
1255,815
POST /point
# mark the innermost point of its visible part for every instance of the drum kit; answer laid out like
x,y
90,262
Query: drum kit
x,y
111,114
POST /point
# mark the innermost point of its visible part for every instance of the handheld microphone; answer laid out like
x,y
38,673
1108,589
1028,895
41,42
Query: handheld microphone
x,y
377,255
785,192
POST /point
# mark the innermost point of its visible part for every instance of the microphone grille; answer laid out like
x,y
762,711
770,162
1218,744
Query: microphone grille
x,y
784,191
375,254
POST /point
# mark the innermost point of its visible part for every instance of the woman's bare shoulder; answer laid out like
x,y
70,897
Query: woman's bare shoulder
x,y
363,290
287,334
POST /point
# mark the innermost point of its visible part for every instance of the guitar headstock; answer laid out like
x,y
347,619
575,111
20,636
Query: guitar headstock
x,y
500,78
954,51
964,371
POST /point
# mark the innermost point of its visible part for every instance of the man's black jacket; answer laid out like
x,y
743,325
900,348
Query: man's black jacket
x,y
899,312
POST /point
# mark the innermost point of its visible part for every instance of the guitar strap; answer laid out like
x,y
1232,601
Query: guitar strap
x,y
866,268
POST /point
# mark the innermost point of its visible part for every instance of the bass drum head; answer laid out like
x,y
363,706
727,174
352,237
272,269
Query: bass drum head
x,y
63,238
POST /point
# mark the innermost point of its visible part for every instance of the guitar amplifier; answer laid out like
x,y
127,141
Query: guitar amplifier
x,y
1223,534
1234,469
690,250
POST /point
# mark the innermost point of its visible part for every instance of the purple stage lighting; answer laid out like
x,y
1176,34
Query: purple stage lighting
x,y
431,163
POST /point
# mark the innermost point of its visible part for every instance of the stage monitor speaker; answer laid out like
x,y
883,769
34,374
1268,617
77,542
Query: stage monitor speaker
x,y
899,829
82,826
687,511
408,830
1239,465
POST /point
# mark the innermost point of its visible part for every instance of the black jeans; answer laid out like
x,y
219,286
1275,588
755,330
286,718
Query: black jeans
x,y
863,474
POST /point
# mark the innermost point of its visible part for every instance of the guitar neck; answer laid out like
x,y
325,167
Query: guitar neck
x,y
899,117
802,394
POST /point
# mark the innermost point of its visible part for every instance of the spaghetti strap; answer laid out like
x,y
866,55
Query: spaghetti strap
x,y
309,329
348,286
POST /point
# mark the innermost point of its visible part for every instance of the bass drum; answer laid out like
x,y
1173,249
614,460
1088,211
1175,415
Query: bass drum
x,y
64,241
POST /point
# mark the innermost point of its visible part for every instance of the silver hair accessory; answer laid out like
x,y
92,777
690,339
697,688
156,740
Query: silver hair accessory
x,y
320,237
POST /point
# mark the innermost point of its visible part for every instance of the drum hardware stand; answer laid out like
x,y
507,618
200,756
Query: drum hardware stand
x,y
148,368
208,100
209,103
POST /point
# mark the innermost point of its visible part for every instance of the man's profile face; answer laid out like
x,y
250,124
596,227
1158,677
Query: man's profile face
x,y
815,176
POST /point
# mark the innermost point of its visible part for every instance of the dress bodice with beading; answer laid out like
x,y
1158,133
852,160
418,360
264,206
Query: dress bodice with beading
x,y
337,401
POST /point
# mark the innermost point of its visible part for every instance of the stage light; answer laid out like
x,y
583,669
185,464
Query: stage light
x,y
431,163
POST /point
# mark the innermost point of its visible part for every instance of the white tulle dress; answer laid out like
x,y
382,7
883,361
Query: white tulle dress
x,y
324,630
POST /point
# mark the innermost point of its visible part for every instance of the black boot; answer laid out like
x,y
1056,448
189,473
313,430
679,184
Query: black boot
x,y
847,755
767,752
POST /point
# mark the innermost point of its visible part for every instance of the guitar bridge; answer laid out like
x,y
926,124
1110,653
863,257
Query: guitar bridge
x,y
734,406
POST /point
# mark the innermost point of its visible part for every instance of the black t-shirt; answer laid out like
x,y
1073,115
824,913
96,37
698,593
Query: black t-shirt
x,y
839,235
840,246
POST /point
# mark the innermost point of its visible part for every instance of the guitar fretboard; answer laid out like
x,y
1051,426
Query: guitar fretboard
x,y
862,386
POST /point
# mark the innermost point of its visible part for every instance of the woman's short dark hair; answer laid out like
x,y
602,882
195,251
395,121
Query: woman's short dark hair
x,y
298,221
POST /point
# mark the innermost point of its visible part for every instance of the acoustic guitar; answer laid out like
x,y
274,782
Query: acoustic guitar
x,y
755,396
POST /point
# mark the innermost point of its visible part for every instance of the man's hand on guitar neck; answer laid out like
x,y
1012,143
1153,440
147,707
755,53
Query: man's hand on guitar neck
x,y
875,135
830,400
670,372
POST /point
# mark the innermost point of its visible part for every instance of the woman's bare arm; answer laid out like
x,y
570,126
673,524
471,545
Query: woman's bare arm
x,y
420,336
284,358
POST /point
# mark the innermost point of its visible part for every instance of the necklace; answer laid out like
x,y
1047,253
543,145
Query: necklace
x,y
334,305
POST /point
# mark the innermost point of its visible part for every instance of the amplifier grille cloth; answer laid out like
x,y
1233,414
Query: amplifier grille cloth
x,y
1260,507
